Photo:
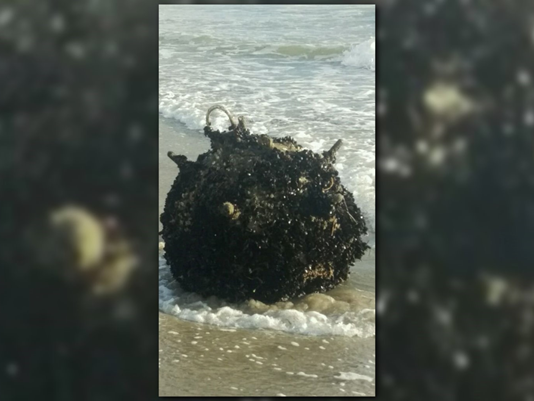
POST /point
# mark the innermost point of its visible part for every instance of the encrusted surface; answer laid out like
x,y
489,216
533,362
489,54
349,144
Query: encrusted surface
x,y
260,217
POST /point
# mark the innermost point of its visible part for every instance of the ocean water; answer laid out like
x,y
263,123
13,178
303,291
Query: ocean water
x,y
304,71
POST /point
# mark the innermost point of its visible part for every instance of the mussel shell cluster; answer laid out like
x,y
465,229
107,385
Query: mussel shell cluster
x,y
260,218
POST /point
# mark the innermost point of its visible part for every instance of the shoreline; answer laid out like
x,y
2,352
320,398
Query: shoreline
x,y
204,360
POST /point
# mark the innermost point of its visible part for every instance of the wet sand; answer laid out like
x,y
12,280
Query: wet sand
x,y
197,359
203,360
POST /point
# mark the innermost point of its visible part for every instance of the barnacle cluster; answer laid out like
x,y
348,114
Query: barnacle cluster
x,y
260,218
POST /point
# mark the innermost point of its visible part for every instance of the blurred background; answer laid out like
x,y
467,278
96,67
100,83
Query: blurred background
x,y
78,199
455,200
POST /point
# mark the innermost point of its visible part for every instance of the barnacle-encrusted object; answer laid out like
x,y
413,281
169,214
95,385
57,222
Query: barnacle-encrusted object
x,y
259,217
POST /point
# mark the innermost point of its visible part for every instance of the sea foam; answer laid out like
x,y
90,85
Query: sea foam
x,y
192,307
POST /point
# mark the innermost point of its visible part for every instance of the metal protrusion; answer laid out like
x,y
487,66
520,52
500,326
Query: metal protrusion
x,y
332,152
178,159
234,123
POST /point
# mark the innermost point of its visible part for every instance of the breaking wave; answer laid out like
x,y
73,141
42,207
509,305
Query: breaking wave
x,y
361,55
313,316
302,51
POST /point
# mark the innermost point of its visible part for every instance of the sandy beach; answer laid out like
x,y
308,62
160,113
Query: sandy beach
x,y
304,72
202,360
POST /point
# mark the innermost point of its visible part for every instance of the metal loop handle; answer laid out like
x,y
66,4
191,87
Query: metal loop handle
x,y
233,120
